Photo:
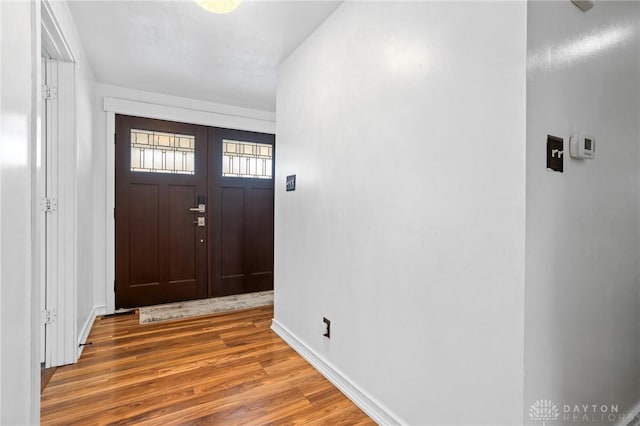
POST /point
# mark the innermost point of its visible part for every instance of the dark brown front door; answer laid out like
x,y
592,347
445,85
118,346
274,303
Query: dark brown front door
x,y
161,174
163,171
242,214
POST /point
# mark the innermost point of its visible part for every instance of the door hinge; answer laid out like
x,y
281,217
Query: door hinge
x,y
48,205
48,316
114,286
49,92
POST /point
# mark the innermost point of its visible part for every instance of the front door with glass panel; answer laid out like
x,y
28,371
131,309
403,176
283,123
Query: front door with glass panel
x,y
242,229
161,188
194,212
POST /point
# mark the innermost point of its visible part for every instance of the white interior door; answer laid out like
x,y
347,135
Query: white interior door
x,y
58,213
57,197
41,221
48,210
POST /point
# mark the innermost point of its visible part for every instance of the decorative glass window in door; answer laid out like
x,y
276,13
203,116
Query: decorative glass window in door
x,y
160,152
247,159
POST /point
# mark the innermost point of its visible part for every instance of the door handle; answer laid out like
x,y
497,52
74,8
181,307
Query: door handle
x,y
199,209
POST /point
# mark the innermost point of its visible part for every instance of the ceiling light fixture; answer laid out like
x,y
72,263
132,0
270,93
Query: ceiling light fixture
x,y
218,6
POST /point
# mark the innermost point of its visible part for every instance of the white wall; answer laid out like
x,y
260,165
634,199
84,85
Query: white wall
x,y
582,297
19,373
405,126
87,210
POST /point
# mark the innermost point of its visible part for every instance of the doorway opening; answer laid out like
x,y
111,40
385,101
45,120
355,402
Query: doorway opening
x,y
193,211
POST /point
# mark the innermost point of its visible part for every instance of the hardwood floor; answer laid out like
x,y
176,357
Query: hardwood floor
x,y
227,369
46,375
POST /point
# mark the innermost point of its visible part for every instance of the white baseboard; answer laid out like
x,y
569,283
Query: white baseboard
x,y
86,328
366,403
630,415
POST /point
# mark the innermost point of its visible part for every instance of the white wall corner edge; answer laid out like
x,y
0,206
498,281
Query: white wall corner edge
x,y
630,416
87,326
378,413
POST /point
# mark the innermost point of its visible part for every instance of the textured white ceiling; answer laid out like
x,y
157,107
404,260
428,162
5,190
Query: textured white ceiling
x,y
176,48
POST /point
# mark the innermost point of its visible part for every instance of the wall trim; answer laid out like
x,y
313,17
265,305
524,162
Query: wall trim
x,y
156,98
110,225
183,114
53,39
374,409
87,326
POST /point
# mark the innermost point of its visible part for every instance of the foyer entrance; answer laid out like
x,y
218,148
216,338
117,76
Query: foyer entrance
x,y
194,211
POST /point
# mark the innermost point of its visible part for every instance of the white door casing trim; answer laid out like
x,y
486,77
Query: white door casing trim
x,y
53,39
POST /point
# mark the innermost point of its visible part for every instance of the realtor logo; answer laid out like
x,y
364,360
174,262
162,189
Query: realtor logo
x,y
544,410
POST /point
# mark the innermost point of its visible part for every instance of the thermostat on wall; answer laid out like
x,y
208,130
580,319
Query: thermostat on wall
x,y
582,146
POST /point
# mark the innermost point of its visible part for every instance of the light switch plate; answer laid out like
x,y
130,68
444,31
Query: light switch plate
x,y
555,153
291,183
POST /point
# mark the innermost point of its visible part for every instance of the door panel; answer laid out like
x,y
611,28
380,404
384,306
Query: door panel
x,y
161,254
232,227
143,247
261,230
182,253
259,239
242,222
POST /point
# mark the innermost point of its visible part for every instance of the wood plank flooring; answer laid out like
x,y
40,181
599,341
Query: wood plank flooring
x,y
46,375
227,369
